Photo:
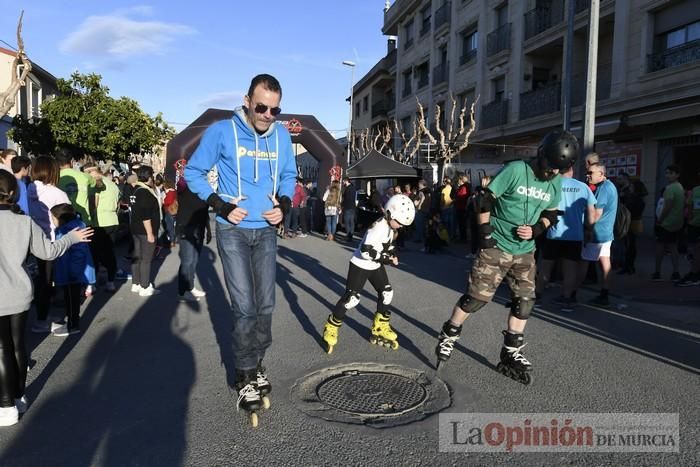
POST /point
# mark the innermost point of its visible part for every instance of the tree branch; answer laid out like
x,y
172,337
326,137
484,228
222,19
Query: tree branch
x,y
9,96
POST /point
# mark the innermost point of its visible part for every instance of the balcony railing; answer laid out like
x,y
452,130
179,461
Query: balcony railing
x,y
540,101
676,56
423,80
542,18
442,14
602,92
498,40
441,73
581,5
379,108
467,57
494,114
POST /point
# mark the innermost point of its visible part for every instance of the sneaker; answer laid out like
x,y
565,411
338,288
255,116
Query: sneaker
x,y
302,235
89,291
8,416
148,291
122,276
675,277
64,331
21,404
188,296
40,327
567,305
656,277
198,293
110,287
689,280
55,326
135,288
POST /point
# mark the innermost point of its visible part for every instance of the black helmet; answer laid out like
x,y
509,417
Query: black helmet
x,y
559,149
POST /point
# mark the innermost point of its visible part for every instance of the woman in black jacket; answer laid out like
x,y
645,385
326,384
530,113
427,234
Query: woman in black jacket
x,y
145,220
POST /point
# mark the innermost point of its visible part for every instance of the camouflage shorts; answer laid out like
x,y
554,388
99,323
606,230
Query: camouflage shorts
x,y
493,265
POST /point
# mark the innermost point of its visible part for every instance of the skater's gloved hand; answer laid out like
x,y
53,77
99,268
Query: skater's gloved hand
x,y
485,239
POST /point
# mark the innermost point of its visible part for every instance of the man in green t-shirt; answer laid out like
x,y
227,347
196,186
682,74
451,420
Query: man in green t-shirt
x,y
669,223
693,205
518,205
76,185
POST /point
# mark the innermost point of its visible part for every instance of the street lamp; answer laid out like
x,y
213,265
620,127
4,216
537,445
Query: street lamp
x,y
352,82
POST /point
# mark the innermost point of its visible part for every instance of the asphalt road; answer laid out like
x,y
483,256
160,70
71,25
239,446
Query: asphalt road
x,y
147,382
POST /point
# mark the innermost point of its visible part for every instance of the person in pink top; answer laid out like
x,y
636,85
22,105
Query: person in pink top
x,y
43,194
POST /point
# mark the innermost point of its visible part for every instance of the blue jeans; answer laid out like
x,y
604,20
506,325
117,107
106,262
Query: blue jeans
x,y
191,241
169,221
249,258
331,224
349,220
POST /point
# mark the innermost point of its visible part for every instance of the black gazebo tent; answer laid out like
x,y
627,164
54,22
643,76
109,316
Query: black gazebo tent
x,y
375,165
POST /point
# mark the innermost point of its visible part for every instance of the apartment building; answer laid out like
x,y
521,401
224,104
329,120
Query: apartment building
x,y
39,86
510,55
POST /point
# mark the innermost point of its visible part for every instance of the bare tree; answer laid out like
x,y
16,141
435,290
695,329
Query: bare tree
x,y
9,96
454,138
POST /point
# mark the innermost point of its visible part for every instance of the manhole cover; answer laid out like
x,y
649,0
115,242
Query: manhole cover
x,y
371,393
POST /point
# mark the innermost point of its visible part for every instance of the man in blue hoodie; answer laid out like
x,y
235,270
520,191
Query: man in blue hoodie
x,y
256,177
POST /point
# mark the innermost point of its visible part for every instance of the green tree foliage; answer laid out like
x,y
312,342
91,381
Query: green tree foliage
x,y
85,118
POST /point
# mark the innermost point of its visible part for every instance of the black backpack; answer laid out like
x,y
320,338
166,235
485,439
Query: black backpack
x,y
623,219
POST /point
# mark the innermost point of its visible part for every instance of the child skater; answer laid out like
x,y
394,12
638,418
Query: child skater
x,y
74,270
367,263
19,234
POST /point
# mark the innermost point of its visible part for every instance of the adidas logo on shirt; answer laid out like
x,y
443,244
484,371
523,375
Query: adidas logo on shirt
x,y
533,192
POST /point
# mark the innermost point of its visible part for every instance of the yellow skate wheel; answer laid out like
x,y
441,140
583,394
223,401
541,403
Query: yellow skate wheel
x,y
254,419
373,340
266,402
330,349
394,345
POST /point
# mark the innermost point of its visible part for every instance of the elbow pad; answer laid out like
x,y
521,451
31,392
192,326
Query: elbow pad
x,y
221,207
485,201
285,204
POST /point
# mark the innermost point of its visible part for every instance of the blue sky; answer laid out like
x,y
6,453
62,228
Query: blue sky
x,y
181,59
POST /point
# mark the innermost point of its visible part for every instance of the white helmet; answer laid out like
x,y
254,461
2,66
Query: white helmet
x,y
401,209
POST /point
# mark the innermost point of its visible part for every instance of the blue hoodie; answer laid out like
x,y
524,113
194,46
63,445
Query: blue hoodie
x,y
75,266
266,164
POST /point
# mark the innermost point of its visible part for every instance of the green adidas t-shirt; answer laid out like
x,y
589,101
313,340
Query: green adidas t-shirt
x,y
108,204
694,207
520,199
674,195
76,185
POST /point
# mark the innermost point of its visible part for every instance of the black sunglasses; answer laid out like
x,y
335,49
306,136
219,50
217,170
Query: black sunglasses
x,y
262,108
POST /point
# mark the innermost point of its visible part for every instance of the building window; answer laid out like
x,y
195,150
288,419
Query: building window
x,y
422,72
465,100
357,109
470,44
680,36
406,127
501,15
673,45
499,89
36,100
408,34
407,88
425,20
365,104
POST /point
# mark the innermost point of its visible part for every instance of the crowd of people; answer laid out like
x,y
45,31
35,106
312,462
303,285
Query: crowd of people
x,y
531,219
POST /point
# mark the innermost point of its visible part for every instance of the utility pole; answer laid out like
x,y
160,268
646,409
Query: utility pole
x,y
591,78
569,65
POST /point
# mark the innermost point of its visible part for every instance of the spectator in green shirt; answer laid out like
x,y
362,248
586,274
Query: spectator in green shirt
x,y
75,184
669,223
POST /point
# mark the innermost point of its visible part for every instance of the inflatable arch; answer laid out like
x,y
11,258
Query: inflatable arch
x,y
304,129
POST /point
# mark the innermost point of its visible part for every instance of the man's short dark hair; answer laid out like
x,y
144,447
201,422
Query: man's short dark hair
x,y
20,162
674,168
144,172
64,156
268,82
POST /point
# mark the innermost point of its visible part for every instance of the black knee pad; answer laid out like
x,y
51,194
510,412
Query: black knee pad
x,y
522,307
470,304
